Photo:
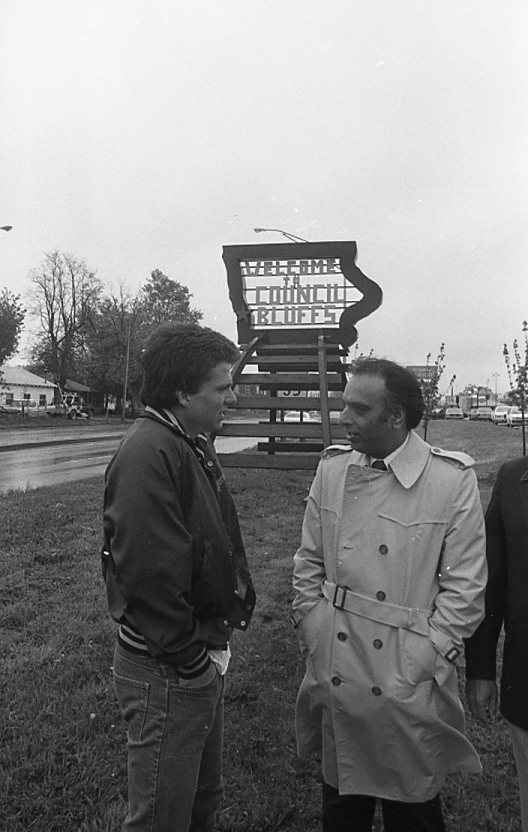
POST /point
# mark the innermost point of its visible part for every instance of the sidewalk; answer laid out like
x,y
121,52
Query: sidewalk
x,y
20,437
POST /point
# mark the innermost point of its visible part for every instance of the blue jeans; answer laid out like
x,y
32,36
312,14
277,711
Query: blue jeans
x,y
175,732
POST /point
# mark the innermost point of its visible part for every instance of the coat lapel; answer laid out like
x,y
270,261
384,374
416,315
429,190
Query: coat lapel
x,y
523,490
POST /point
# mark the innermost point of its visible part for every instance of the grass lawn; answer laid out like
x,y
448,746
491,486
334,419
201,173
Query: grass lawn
x,y
62,743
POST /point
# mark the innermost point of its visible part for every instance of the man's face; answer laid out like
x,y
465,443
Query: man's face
x,y
204,411
369,425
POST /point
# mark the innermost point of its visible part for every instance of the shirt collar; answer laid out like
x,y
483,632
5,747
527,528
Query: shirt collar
x,y
389,459
407,462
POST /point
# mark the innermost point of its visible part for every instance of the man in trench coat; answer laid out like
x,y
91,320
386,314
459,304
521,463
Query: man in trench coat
x,y
506,603
389,580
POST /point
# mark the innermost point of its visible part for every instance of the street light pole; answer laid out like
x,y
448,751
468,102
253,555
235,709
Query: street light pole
x,y
495,376
292,237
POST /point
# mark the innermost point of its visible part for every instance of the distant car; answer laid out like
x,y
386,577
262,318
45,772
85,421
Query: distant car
x,y
453,413
9,409
500,413
484,413
438,413
315,416
514,417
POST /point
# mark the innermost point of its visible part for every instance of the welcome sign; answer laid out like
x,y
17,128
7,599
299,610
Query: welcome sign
x,y
290,290
296,293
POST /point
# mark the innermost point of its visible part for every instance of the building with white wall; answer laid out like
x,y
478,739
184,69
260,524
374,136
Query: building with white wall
x,y
18,385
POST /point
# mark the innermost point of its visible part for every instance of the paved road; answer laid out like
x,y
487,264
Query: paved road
x,y
34,458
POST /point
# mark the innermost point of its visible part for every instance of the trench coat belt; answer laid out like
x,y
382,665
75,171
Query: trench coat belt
x,y
406,618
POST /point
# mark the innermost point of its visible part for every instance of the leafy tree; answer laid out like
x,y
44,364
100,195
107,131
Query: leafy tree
x,y
119,328
110,344
517,367
162,300
65,296
429,382
11,320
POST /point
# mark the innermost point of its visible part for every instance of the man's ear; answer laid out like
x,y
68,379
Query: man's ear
x,y
182,398
398,418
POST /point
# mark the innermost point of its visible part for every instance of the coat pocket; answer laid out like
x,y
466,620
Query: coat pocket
x,y
310,627
419,657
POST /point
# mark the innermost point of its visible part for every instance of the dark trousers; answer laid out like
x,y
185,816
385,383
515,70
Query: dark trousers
x,y
355,813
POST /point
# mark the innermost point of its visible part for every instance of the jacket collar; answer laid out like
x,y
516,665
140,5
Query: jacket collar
x,y
408,465
199,443
523,493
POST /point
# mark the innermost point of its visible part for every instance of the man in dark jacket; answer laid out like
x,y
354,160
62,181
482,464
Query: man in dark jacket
x,y
177,580
506,603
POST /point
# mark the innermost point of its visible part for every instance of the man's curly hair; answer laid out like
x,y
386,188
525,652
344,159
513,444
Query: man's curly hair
x,y
178,357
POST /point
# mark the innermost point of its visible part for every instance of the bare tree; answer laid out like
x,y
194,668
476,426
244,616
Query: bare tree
x,y
65,294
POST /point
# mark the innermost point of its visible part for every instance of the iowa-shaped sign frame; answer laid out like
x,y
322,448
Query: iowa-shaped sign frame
x,y
343,332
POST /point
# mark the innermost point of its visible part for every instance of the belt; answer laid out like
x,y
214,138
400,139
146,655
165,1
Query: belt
x,y
406,618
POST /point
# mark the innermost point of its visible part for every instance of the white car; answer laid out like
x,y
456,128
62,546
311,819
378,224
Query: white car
x,y
453,413
515,417
500,413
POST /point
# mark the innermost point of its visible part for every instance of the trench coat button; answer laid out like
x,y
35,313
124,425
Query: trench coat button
x,y
209,464
226,622
336,680
383,549
378,644
242,623
248,606
376,690
380,596
341,636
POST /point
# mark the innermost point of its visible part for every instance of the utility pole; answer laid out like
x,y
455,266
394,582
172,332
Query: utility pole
x,y
125,380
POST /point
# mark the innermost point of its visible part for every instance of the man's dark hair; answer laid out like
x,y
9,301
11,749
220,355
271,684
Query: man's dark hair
x,y
401,386
178,357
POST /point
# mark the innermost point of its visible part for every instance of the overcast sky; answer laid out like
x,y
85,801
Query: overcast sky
x,y
140,135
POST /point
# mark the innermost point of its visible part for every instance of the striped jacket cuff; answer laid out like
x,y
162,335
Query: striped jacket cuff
x,y
196,667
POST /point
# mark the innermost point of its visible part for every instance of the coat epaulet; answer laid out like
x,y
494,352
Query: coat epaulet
x,y
458,458
335,450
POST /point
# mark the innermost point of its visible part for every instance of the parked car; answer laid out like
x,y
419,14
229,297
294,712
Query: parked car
x,y
315,416
73,406
514,417
500,413
295,416
9,409
438,413
484,413
453,413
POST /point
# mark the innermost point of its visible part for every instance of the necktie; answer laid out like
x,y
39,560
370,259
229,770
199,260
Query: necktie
x,y
379,465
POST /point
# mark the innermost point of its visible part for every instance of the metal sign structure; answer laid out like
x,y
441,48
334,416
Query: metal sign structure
x,y
297,306
291,290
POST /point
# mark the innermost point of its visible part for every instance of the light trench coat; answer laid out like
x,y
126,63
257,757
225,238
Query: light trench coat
x,y
379,701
